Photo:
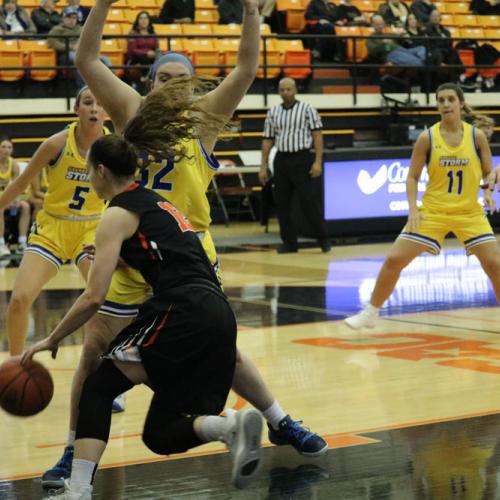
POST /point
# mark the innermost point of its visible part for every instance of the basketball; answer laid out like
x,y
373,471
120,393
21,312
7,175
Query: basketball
x,y
24,390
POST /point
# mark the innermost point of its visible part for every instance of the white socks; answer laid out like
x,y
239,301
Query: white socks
x,y
82,473
71,438
372,309
274,414
21,239
2,241
214,428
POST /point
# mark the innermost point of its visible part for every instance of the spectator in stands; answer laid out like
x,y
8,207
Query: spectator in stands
x,y
230,12
83,12
45,17
414,33
177,11
422,9
389,50
142,50
485,7
349,15
394,13
442,51
9,170
68,32
321,16
14,19
293,127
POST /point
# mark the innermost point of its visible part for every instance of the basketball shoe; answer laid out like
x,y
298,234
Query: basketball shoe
x,y
54,478
243,438
118,404
69,493
292,432
367,318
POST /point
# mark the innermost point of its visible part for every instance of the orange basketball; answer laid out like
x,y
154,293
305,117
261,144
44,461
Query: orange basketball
x,y
24,390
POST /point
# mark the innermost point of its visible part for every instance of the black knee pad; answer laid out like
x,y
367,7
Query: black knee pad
x,y
99,391
175,436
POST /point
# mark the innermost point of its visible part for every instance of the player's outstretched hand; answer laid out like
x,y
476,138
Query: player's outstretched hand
x,y
413,221
492,180
489,202
44,345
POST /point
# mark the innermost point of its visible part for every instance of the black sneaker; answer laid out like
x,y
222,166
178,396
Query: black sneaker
x,y
287,249
325,246
292,432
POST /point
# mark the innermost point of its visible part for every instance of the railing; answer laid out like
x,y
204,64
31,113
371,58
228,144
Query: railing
x,y
352,65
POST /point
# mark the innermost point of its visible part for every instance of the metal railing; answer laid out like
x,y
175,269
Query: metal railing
x,y
352,65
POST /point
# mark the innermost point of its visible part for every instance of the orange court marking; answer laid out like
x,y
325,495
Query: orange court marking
x,y
451,351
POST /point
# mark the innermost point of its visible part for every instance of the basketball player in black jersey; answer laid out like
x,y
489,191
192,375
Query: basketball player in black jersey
x,y
182,343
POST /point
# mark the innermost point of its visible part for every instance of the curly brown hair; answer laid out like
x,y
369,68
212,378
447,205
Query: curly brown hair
x,y
171,115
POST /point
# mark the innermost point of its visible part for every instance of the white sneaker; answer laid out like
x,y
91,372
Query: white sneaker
x,y
364,319
4,250
119,404
68,493
21,247
243,440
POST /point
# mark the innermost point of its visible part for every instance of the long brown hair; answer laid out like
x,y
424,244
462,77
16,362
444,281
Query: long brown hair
x,y
168,117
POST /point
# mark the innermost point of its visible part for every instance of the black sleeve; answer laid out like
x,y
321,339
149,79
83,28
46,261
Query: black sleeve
x,y
41,21
167,12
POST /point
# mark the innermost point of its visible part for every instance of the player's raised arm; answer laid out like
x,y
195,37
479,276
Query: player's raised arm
x,y
117,98
225,98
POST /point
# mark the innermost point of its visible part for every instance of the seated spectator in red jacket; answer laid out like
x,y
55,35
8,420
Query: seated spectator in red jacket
x,y
142,50
394,13
422,9
45,17
322,16
177,11
14,19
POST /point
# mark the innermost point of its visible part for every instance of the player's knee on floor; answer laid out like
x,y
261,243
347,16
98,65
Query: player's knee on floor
x,y
173,437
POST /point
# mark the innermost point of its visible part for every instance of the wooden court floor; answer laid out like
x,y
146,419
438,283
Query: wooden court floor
x,y
411,409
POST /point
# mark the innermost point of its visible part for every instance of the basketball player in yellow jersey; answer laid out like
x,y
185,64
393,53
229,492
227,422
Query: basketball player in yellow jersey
x,y
457,157
179,184
9,171
70,214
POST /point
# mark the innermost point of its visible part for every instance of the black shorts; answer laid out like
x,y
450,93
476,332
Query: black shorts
x,y
188,349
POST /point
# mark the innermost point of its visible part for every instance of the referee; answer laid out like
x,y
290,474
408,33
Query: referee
x,y
293,127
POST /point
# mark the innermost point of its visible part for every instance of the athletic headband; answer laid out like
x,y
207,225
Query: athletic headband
x,y
80,92
176,57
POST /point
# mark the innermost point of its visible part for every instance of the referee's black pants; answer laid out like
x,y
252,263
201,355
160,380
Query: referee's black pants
x,y
291,173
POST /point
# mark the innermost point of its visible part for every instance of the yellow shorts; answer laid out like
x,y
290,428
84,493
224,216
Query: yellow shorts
x,y
471,230
59,240
128,290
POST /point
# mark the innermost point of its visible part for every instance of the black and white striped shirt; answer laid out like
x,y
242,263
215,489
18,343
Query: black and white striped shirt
x,y
291,127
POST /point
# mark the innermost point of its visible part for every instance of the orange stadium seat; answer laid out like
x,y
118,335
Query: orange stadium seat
x,y
198,44
352,31
471,33
457,8
196,29
112,29
168,29
296,57
175,44
204,4
112,50
38,53
283,45
465,20
226,29
441,6
206,16
294,14
121,4
116,16
29,4
265,29
228,52
272,58
448,20
365,5
206,58
493,33
11,55
148,5
488,21
454,31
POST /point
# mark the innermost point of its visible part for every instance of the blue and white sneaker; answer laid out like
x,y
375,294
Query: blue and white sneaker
x,y
292,432
54,478
118,404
